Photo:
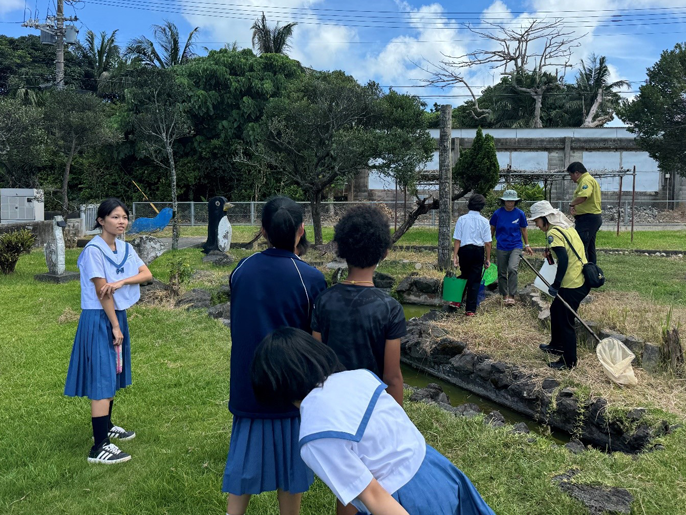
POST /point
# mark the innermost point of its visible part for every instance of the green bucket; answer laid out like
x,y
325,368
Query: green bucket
x,y
453,289
490,275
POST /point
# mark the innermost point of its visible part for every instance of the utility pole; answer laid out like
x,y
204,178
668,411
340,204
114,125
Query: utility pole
x,y
445,167
53,32
59,47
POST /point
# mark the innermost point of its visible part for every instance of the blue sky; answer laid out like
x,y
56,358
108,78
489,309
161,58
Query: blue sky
x,y
382,40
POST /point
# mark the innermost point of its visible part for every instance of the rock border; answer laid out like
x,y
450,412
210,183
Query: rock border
x,y
428,348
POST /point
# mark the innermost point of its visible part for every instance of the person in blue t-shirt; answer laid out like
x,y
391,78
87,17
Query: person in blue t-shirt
x,y
509,224
269,290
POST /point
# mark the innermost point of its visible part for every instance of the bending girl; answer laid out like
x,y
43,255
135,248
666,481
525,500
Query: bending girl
x,y
355,436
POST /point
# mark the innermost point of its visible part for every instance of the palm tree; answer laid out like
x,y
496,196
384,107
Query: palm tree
x,y
271,41
597,94
168,38
104,55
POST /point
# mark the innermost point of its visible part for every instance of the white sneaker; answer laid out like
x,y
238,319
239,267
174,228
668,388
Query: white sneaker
x,y
121,434
108,453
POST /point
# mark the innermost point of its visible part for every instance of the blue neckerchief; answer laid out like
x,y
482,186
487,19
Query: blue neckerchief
x,y
119,267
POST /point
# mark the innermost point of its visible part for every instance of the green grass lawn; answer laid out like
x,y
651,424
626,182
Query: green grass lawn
x,y
177,406
648,240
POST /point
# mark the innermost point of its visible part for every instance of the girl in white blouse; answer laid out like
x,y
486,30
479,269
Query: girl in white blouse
x,y
111,274
355,437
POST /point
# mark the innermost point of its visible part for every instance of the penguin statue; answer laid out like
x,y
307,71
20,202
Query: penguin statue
x,y
218,226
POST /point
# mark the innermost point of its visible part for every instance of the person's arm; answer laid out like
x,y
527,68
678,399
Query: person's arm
x,y
379,501
317,336
392,374
562,265
107,302
143,276
525,239
487,247
456,247
492,231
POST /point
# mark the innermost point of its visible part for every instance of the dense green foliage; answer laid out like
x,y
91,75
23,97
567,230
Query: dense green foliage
x,y
231,110
12,246
657,114
477,168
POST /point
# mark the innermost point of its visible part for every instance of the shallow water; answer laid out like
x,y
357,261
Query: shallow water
x,y
459,395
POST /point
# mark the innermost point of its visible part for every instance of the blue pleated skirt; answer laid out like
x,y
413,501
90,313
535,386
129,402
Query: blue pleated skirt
x,y
264,456
440,488
93,364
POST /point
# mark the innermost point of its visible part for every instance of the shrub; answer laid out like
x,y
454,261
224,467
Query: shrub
x,y
13,245
180,271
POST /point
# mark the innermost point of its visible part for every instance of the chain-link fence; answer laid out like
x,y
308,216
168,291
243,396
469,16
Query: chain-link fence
x,y
249,213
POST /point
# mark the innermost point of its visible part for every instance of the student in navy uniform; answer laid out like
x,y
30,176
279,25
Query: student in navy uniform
x,y
111,274
355,437
472,248
508,225
270,289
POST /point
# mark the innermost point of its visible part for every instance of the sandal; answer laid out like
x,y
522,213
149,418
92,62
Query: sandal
x,y
510,302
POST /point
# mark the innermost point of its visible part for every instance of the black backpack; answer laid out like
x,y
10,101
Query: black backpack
x,y
593,275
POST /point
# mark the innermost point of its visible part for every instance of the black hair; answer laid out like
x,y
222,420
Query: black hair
x,y
106,208
476,202
576,166
281,218
362,236
545,220
303,245
288,364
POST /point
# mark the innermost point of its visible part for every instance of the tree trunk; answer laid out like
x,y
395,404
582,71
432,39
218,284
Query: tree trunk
x,y
316,204
65,181
445,193
537,110
175,204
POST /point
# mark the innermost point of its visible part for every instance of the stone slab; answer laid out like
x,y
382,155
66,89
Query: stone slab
x,y
58,278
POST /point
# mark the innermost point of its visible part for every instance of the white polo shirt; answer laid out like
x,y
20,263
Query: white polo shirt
x,y
98,260
353,431
472,229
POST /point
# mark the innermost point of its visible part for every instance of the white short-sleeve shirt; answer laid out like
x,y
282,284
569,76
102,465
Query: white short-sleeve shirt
x,y
472,229
353,431
97,260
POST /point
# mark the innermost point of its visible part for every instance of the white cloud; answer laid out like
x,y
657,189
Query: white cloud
x,y
10,5
314,45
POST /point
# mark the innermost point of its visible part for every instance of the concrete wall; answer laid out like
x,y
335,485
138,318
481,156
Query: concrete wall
x,y
602,150
43,231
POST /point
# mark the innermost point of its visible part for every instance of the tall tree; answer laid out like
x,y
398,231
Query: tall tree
x,y
75,123
266,40
526,54
172,51
102,55
657,114
318,134
598,95
158,106
229,93
23,144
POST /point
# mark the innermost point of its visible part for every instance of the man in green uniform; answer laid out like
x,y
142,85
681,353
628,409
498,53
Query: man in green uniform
x,y
585,207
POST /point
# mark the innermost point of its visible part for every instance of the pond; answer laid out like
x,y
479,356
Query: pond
x,y
457,395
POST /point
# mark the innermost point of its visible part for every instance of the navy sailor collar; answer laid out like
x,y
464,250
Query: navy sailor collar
x,y
98,245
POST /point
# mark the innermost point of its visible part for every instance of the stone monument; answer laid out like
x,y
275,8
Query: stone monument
x,y
54,256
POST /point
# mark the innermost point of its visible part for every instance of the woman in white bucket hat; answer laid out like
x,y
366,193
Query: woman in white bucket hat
x,y
569,284
509,226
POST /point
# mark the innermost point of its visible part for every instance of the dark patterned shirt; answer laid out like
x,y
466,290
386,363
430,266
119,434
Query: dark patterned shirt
x,y
355,321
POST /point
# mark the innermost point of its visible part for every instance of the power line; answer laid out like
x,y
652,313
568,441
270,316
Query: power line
x,y
405,24
475,13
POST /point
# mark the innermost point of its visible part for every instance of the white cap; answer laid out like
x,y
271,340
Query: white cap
x,y
542,208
